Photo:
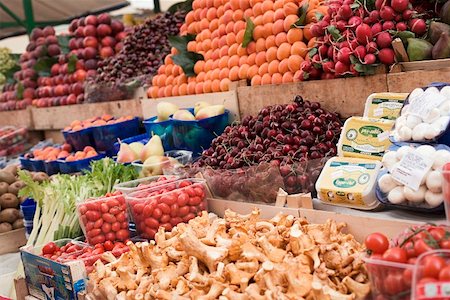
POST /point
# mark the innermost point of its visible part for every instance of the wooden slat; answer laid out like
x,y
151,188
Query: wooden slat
x,y
405,82
11,241
18,118
55,135
61,116
426,65
229,99
346,96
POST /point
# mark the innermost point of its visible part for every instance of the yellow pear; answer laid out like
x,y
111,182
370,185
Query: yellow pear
x,y
126,154
154,147
210,111
183,115
154,165
164,110
199,105
137,148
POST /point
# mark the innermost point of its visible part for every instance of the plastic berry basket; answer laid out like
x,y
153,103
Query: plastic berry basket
x,y
51,167
425,285
10,135
183,157
26,163
142,138
167,205
163,129
105,136
80,138
37,165
197,135
144,183
389,280
104,219
79,165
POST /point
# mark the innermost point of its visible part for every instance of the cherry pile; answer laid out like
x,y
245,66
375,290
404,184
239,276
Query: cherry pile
x,y
298,137
143,51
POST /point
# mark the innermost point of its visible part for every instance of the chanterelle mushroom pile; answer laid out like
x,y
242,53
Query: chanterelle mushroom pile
x,y
238,257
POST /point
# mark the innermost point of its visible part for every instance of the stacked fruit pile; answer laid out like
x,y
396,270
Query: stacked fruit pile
x,y
297,137
43,44
271,53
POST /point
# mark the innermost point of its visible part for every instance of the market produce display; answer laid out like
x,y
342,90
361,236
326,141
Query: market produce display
x,y
298,137
238,257
10,215
105,119
6,63
232,40
391,264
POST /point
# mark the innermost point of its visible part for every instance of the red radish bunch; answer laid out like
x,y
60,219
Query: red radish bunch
x,y
166,206
296,137
80,251
105,219
352,40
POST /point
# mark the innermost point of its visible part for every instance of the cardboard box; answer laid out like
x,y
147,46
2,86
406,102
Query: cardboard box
x,y
50,280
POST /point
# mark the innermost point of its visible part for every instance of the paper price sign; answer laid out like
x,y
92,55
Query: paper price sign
x,y
411,170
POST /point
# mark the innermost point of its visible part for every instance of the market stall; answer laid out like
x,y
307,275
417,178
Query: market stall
x,y
232,150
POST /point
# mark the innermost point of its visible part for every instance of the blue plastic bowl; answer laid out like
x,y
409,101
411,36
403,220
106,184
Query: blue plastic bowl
x,y
79,165
163,129
142,138
105,136
37,165
25,163
197,135
51,167
79,139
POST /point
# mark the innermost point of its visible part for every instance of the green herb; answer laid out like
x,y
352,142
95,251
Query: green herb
x,y
248,34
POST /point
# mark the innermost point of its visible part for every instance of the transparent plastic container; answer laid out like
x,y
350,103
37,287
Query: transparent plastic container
x,y
104,219
143,183
446,191
427,284
167,205
176,159
80,138
389,280
10,135
163,129
105,136
77,166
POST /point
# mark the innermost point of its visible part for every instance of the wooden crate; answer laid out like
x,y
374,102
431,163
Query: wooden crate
x,y
229,99
11,241
346,96
18,118
58,117
405,82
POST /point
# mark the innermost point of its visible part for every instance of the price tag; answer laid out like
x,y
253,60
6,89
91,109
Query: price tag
x,y
424,104
412,169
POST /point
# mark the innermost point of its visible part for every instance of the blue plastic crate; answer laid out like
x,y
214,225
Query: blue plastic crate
x,y
51,167
80,138
105,136
26,163
79,165
163,129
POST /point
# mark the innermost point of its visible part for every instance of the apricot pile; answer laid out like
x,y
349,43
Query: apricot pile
x,y
96,121
273,56
50,153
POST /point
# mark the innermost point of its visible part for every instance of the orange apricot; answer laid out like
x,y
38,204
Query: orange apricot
x,y
277,78
231,38
215,74
256,80
299,48
267,5
312,42
191,88
211,14
153,92
273,67
238,26
168,91
182,89
290,9
251,48
207,86
252,71
240,36
280,38
277,5
248,13
289,21
278,27
243,60
284,51
222,29
190,17
234,73
294,63
223,62
208,65
258,32
175,91
266,79
199,65
251,59
271,54
307,32
260,44
223,51
243,70
260,58
279,14
162,69
270,41
232,50
234,4
288,77
229,27
244,4
268,16
224,72
238,15
233,61
161,92
168,69
257,9
215,55
200,77
199,88
224,84
263,69
268,29
169,79
294,35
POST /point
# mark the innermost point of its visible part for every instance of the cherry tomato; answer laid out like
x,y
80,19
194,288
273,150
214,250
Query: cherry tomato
x,y
184,183
152,223
165,209
395,254
175,221
98,251
409,248
188,217
190,191
148,210
94,232
97,239
109,218
169,199
165,219
199,192
445,244
82,209
421,247
122,234
174,210
113,202
182,199
124,225
377,243
106,227
407,277
432,266
49,248
167,226
115,210
98,223
115,226
183,211
110,236
157,213
393,284
121,217
137,208
438,233
444,274
92,215
104,208
194,201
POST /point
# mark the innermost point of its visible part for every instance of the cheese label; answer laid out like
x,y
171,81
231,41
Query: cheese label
x,y
385,105
345,181
365,138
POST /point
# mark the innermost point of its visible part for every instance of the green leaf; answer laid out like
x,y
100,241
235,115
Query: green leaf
x,y
72,63
319,16
365,69
354,60
20,89
14,56
43,65
354,5
180,42
10,73
187,60
335,33
185,6
313,52
63,41
405,35
302,11
248,34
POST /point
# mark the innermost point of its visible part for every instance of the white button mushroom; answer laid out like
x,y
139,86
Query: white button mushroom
x,y
432,132
416,93
426,151
432,116
445,108
404,134
434,181
442,122
445,91
396,196
389,159
415,196
431,90
405,110
418,133
403,150
401,121
412,121
434,199
424,178
441,157
386,183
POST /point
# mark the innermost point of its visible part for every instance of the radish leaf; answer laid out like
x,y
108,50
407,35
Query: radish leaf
x,y
248,34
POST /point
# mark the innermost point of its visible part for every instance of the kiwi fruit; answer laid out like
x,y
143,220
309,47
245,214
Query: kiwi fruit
x,y
3,188
13,169
5,227
9,215
18,224
7,177
9,200
40,177
15,187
